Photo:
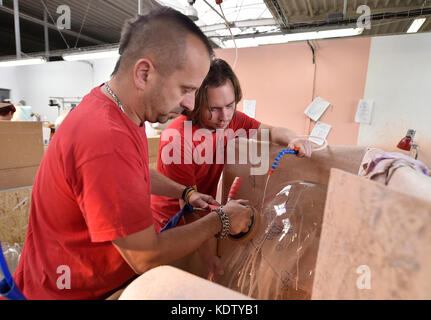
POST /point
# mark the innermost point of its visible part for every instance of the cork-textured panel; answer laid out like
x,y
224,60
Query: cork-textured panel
x,y
14,214
375,242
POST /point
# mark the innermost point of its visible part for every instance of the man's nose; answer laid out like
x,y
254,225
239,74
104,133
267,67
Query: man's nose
x,y
224,114
188,102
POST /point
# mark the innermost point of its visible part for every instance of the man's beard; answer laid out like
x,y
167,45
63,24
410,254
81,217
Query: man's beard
x,y
174,114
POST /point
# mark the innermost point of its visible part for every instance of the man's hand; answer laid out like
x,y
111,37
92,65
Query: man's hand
x,y
212,264
304,145
239,215
200,200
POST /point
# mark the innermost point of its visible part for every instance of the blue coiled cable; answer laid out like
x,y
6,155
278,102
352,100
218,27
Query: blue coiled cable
x,y
8,287
279,156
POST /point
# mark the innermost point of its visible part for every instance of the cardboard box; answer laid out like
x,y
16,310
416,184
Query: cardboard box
x,y
153,150
21,146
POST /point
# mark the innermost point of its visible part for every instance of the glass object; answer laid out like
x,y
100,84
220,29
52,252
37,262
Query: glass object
x,y
279,261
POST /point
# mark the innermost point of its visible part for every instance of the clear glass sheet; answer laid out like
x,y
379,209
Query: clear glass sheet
x,y
279,262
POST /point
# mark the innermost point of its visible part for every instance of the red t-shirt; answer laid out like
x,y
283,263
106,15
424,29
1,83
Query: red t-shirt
x,y
92,187
186,148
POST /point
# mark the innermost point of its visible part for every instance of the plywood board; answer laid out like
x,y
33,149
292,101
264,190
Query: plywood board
x,y
14,214
375,242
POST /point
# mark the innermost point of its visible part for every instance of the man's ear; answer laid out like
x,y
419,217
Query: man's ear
x,y
142,72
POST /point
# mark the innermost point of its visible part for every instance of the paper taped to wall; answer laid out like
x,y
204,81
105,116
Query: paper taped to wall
x,y
320,130
365,109
316,108
250,108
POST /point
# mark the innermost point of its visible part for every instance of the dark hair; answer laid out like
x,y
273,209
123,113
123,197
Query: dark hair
x,y
219,73
4,111
160,34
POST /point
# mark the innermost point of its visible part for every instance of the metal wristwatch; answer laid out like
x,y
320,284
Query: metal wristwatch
x,y
225,223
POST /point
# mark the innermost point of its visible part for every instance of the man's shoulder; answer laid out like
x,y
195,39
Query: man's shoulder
x,y
95,113
96,124
178,123
181,126
241,120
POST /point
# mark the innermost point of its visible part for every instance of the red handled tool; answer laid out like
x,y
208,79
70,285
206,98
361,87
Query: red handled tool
x,y
234,188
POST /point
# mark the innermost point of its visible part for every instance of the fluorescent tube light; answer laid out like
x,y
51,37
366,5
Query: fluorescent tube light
x,y
274,39
254,42
91,55
22,62
326,34
416,25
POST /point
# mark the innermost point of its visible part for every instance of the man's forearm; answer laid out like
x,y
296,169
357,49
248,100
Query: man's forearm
x,y
145,250
281,136
278,135
202,230
163,186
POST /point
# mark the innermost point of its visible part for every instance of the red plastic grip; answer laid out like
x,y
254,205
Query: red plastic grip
x,y
234,188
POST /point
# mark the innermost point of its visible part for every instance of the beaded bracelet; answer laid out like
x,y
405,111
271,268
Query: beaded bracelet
x,y
189,194
186,191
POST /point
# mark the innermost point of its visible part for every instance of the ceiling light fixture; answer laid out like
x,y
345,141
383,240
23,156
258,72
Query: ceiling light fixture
x,y
22,62
91,55
191,11
416,25
326,34
303,36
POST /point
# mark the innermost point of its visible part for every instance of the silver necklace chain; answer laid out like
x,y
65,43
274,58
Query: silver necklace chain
x,y
114,96
117,101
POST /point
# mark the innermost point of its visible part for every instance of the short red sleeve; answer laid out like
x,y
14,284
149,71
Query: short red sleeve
x,y
243,121
110,207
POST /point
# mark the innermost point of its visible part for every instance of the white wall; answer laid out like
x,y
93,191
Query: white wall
x,y
36,83
8,80
399,81
54,79
103,69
